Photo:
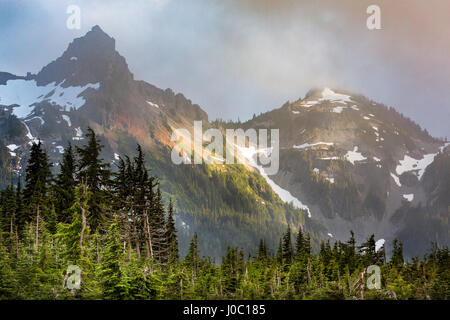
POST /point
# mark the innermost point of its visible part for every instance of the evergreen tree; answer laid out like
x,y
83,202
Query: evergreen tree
x,y
74,235
93,172
397,254
299,244
279,256
20,209
368,249
110,274
37,175
65,185
192,258
37,179
8,209
262,250
287,247
171,235
158,227
229,269
7,279
350,258
307,244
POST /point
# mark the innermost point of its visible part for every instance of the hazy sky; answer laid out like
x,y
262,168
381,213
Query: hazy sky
x,y
239,57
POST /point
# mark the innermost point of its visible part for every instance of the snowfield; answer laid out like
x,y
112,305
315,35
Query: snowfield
x,y
409,197
418,166
250,154
25,93
353,156
12,147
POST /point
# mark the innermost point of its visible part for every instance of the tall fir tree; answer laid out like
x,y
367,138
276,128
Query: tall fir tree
x,y
397,254
8,209
192,257
287,247
368,248
74,234
110,274
299,244
158,227
262,250
93,172
65,185
171,234
20,208
279,256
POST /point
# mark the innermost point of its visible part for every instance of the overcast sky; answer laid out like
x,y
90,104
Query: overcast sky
x,y
239,57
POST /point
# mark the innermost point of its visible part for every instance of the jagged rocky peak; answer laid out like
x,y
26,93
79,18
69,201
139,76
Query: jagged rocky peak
x,y
88,59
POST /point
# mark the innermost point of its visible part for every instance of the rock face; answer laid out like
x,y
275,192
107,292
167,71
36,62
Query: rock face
x,y
356,164
89,59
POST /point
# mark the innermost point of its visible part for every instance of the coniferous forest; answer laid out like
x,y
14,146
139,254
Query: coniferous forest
x,y
115,228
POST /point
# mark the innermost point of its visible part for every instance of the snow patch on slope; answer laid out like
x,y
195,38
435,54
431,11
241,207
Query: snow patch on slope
x,y
353,156
152,104
29,135
25,93
418,166
250,154
307,145
67,119
12,147
409,196
338,109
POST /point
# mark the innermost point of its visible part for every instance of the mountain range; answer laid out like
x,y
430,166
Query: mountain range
x,y
346,162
